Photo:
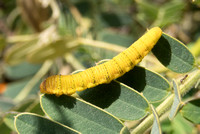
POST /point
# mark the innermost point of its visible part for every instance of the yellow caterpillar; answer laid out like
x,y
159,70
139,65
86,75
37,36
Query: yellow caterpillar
x,y
103,73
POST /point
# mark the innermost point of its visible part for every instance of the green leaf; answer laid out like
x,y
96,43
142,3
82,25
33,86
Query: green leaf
x,y
34,80
27,123
173,54
177,126
14,88
35,108
177,101
21,70
5,104
166,126
9,120
182,126
22,106
18,52
66,24
52,50
160,14
147,12
169,13
115,38
191,111
29,105
153,86
111,19
62,25
156,128
118,99
80,115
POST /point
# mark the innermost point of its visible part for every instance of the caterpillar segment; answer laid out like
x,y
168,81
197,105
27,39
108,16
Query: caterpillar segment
x,y
105,72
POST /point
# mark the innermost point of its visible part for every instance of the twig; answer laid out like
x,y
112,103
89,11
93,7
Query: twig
x,y
163,107
100,44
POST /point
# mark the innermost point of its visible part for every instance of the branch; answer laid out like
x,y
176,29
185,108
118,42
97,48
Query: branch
x,y
163,107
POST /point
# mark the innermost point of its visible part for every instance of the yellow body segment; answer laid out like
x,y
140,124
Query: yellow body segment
x,y
103,73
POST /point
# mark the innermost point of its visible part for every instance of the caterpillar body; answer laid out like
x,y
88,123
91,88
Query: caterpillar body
x,y
105,72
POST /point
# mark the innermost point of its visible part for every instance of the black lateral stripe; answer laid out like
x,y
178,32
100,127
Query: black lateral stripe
x,y
131,63
60,82
94,80
135,50
108,77
120,69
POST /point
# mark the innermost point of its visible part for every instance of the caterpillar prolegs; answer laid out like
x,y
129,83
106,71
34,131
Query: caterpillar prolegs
x,y
105,72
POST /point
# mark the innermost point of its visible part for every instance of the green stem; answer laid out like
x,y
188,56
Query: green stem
x,y
27,89
74,62
163,107
100,44
21,38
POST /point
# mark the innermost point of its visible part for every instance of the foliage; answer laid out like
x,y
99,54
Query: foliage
x,y
41,38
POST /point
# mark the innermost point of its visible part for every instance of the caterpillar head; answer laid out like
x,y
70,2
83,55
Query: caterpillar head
x,y
51,85
43,87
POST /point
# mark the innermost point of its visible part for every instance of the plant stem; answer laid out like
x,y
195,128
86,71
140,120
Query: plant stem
x,y
21,38
27,89
100,44
163,107
74,62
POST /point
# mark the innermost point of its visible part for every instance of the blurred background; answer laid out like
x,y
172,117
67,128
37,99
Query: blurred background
x,y
39,38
